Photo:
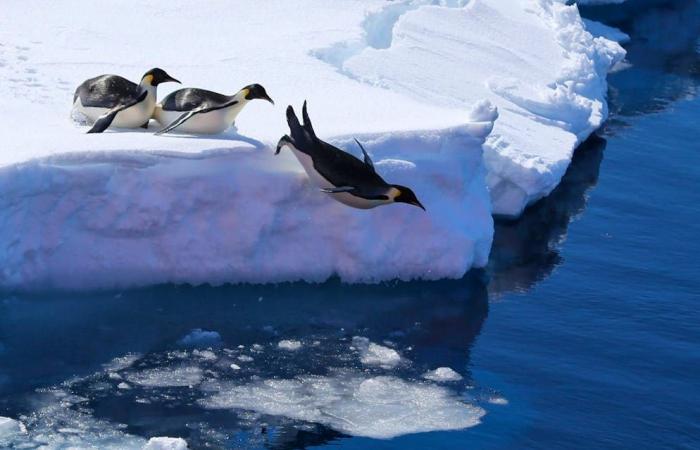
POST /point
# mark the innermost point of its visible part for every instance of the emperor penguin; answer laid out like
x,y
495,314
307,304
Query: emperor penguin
x,y
198,111
339,174
111,100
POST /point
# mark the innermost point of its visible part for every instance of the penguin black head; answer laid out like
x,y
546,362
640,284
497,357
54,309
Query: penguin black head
x,y
257,91
406,195
158,76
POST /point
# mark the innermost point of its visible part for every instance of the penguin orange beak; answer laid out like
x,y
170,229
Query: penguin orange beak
x,y
418,204
172,79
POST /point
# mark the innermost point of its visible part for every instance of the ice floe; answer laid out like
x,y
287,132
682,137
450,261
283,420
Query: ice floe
x,y
379,407
373,354
419,82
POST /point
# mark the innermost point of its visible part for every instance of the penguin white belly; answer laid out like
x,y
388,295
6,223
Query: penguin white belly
x,y
322,183
132,117
212,122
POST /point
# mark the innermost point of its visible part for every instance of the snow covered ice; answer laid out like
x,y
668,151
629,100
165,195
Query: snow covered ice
x,y
474,118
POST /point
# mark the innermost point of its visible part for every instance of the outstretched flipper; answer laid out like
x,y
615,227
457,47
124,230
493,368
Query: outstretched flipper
x,y
284,140
368,160
338,190
188,115
106,119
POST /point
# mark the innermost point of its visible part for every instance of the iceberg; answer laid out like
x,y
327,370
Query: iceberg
x,y
446,96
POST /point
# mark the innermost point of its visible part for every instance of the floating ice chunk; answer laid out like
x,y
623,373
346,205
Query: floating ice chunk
x,y
165,443
442,374
496,400
289,345
201,338
372,354
206,355
9,428
245,358
235,366
167,377
57,426
123,385
378,407
121,362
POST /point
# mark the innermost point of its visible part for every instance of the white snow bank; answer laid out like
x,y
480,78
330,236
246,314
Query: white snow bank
x,y
442,374
128,208
536,61
116,220
165,443
378,407
372,354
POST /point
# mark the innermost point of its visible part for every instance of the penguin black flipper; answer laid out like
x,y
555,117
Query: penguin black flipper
x,y
368,160
188,115
338,190
106,119
284,140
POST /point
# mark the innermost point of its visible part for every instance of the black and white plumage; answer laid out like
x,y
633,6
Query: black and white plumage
x,y
339,174
111,100
199,111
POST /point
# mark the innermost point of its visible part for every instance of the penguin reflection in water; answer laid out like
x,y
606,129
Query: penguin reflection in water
x,y
340,174
111,100
199,111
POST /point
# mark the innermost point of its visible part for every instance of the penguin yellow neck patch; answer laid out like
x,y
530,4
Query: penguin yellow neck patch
x,y
148,79
393,193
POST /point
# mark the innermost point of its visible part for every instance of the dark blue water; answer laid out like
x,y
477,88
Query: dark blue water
x,y
585,328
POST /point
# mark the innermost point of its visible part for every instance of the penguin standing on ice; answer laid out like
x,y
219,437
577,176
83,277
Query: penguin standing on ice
x,y
199,111
339,174
111,100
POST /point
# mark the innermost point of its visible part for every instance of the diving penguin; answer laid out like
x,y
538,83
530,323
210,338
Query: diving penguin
x,y
113,100
343,176
199,111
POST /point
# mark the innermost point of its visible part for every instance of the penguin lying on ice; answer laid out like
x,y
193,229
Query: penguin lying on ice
x,y
199,111
111,100
339,174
